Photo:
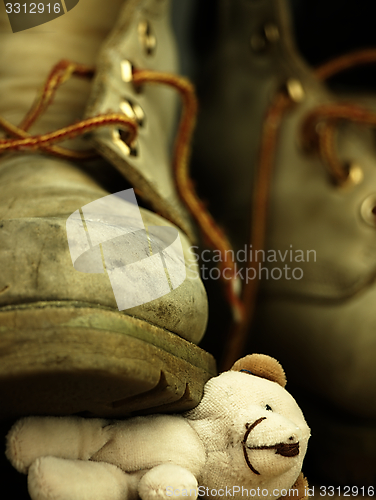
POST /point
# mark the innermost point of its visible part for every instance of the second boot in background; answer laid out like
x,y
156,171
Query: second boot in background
x,y
318,316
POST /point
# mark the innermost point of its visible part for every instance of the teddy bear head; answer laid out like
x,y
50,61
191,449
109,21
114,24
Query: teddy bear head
x,y
254,432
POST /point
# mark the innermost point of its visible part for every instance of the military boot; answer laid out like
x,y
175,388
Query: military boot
x,y
98,312
290,173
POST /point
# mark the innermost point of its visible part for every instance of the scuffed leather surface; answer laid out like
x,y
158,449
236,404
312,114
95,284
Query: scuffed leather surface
x,y
38,195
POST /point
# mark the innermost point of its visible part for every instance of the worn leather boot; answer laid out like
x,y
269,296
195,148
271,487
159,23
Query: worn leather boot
x,y
273,140
65,345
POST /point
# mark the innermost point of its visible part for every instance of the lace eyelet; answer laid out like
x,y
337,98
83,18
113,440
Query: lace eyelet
x,y
354,176
126,68
147,38
295,90
133,110
266,36
120,138
368,210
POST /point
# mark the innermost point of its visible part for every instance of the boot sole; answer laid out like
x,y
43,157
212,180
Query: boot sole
x,y
59,358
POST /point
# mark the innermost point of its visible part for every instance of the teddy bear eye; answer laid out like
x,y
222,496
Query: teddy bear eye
x,y
269,408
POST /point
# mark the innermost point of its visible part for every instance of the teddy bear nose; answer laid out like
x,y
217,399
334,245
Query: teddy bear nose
x,y
288,449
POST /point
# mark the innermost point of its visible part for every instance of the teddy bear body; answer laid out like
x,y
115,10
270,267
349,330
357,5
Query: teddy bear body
x,y
247,433
141,443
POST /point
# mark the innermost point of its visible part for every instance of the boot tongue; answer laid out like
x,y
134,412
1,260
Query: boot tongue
x,y
141,41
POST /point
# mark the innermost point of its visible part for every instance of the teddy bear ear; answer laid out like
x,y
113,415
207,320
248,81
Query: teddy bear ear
x,y
263,366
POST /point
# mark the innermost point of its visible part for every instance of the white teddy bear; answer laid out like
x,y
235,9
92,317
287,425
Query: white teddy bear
x,y
247,438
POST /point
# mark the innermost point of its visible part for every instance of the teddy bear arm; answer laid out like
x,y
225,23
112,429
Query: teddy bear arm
x,y
168,481
51,478
64,437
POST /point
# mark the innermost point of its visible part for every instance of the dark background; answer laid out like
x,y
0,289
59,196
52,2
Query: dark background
x,y
323,28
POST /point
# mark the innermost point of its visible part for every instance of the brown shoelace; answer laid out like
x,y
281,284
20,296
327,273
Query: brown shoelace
x,y
319,138
317,135
22,141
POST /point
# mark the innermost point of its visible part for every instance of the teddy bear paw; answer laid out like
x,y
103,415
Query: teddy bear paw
x,y
167,481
